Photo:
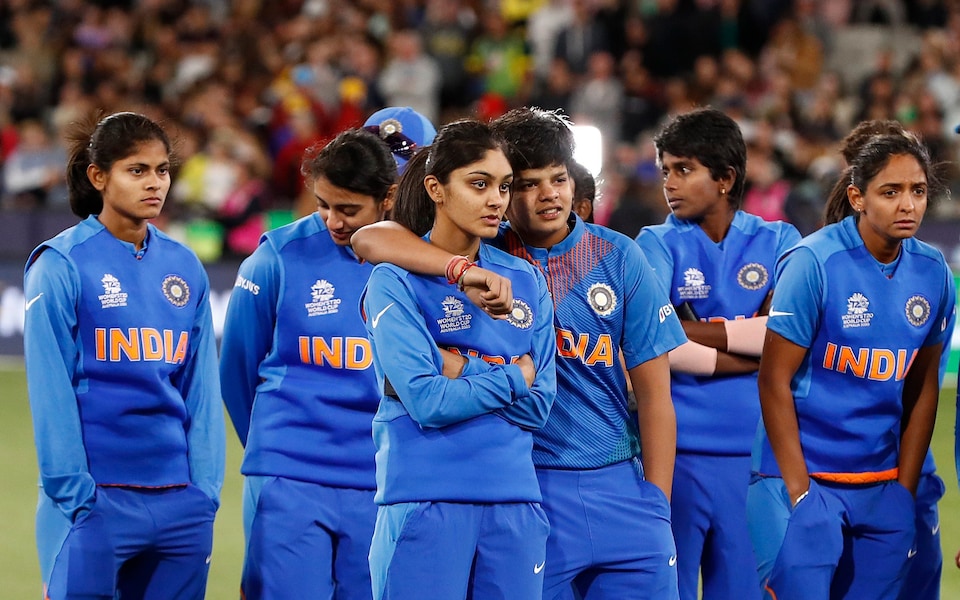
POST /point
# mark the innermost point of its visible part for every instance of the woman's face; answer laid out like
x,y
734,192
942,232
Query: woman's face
x,y
892,207
476,195
691,191
135,187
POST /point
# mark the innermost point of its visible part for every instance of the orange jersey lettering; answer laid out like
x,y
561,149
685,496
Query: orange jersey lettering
x,y
352,353
875,364
137,344
600,352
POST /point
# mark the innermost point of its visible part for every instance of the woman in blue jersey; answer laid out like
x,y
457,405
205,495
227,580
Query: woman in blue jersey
x,y
459,511
925,566
122,375
298,383
605,475
717,262
848,386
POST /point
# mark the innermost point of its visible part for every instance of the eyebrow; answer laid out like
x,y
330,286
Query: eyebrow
x,y
148,165
340,205
554,175
900,184
490,175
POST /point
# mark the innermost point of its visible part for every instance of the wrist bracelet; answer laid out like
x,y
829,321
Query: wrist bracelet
x,y
451,269
801,497
466,267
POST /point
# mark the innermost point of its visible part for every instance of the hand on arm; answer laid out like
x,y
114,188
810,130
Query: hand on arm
x,y
417,373
734,336
729,347
491,292
539,369
777,405
393,243
453,363
698,359
657,421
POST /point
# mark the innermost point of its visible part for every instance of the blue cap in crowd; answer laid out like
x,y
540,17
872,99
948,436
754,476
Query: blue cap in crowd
x,y
403,129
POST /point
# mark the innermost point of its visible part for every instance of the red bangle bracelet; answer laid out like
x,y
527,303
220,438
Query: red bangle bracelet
x,y
460,270
451,268
466,268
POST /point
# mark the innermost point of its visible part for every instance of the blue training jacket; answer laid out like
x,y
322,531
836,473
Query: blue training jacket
x,y
467,439
121,366
296,366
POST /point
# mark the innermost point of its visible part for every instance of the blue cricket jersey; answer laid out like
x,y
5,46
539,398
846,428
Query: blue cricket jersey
x,y
121,365
607,300
863,323
296,366
467,439
717,414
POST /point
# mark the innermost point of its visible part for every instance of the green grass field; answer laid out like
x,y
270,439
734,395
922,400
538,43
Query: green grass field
x,y
19,573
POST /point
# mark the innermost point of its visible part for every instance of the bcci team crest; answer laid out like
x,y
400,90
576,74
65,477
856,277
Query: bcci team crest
x,y
113,295
176,290
323,300
602,299
857,315
752,276
520,315
695,285
918,310
455,318
390,127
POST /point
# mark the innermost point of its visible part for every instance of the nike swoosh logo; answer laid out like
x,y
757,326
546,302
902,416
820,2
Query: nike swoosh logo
x,y
376,319
672,561
936,529
29,303
911,553
538,568
779,313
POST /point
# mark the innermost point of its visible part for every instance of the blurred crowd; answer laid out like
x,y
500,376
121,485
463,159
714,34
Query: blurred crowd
x,y
245,86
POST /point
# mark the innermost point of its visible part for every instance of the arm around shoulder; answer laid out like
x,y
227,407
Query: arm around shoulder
x,y
390,242
416,373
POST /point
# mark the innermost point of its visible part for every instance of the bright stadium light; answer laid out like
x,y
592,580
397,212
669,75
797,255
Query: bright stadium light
x,y
589,149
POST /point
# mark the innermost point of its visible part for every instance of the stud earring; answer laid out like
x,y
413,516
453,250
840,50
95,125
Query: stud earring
x,y
723,191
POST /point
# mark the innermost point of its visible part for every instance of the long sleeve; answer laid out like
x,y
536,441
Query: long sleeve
x,y
200,387
412,364
532,411
51,354
248,333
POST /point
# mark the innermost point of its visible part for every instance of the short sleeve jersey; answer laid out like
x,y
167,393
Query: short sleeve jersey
x,y
720,281
607,300
863,323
